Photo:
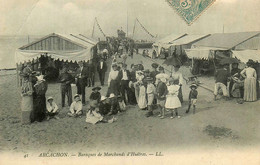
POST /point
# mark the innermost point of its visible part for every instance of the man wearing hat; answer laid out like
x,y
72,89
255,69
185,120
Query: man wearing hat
x,y
91,73
52,109
66,79
193,97
104,106
124,76
101,69
81,80
114,109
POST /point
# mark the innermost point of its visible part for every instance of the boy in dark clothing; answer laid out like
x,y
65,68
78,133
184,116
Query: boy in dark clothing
x,y
104,106
114,109
95,95
193,98
161,91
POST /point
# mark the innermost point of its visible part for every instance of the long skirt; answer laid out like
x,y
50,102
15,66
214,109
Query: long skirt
x,y
250,89
39,109
114,87
150,98
136,86
142,103
180,96
172,102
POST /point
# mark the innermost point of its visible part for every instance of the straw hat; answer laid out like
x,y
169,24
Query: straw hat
x,y
49,98
159,76
76,95
103,98
193,85
98,88
155,65
112,95
163,79
40,78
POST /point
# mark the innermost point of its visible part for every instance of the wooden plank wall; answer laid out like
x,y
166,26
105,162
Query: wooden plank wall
x,y
54,43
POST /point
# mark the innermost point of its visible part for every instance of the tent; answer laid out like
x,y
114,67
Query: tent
x,y
245,55
60,47
185,43
168,39
165,42
225,40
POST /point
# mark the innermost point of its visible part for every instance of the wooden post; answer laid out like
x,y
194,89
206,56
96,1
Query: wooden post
x,y
17,76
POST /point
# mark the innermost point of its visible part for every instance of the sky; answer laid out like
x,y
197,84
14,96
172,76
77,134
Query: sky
x,y
42,17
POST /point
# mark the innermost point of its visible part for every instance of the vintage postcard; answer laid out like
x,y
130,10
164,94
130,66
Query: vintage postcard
x,y
129,82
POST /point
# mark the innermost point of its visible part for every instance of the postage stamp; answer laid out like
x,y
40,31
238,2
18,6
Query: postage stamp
x,y
190,10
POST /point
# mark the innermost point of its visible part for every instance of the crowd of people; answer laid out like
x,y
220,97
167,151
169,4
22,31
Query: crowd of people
x,y
148,89
242,83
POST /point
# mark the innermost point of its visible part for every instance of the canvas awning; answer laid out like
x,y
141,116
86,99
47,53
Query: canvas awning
x,y
188,39
164,42
200,53
22,56
225,40
245,55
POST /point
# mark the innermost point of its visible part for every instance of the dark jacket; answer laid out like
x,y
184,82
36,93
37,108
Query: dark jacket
x,y
95,96
104,108
161,91
120,74
66,78
221,76
193,94
104,68
133,76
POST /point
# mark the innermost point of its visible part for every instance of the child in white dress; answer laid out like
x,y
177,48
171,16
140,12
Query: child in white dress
x,y
172,100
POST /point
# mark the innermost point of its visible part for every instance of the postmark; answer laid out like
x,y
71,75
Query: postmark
x,y
190,10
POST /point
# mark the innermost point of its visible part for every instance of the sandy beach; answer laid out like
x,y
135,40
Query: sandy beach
x,y
238,125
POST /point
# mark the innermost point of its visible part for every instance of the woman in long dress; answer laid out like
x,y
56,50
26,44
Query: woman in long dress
x,y
39,101
142,103
249,74
113,81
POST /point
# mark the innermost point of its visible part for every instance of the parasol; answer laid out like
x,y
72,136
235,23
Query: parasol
x,y
173,61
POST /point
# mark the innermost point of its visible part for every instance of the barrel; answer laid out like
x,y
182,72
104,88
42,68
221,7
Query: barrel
x,y
26,107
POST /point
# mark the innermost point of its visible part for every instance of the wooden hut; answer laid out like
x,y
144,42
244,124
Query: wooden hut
x,y
65,48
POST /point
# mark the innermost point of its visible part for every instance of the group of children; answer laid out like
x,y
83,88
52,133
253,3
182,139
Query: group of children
x,y
99,110
165,92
